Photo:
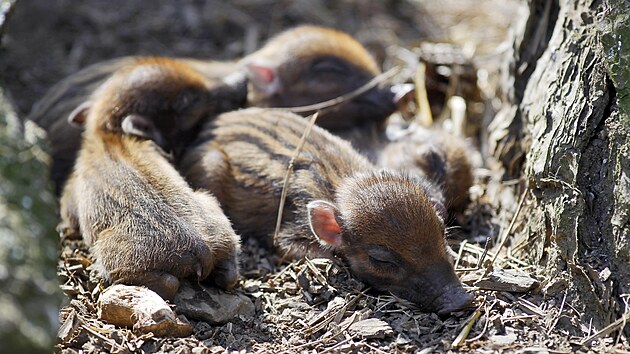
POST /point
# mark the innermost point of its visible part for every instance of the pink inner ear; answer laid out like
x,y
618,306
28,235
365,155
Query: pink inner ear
x,y
261,74
78,116
324,224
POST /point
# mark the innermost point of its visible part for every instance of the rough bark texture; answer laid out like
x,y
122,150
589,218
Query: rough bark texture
x,y
569,82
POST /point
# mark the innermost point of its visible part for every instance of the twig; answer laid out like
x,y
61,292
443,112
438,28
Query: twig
x,y
555,321
484,254
459,254
343,98
316,272
485,325
373,348
336,345
509,229
461,338
315,342
608,329
109,341
453,83
285,184
479,251
424,116
330,314
625,300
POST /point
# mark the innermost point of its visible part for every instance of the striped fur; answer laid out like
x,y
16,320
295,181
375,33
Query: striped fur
x,y
295,57
242,157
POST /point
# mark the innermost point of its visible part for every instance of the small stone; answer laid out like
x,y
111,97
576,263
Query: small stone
x,y
372,328
142,309
504,340
251,286
211,305
217,349
605,274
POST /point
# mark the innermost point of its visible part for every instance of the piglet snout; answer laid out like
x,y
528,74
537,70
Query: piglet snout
x,y
454,298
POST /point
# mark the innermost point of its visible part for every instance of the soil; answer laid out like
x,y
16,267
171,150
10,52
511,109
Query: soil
x,y
309,305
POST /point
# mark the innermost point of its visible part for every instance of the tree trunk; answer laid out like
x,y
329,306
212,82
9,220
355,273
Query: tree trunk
x,y
29,289
567,132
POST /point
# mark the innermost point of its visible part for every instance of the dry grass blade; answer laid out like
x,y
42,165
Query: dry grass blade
x,y
375,349
619,324
461,338
334,347
459,254
285,184
484,254
509,228
114,345
338,100
424,116
557,317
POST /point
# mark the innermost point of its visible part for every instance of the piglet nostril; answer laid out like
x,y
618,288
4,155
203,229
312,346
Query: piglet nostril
x,y
458,301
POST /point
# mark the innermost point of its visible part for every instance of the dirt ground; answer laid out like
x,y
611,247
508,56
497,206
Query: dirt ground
x,y
309,305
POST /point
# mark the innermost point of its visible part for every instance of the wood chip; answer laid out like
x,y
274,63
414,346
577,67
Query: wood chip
x,y
507,280
69,327
371,328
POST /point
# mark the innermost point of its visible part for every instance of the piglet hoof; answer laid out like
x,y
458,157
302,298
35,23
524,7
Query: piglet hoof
x,y
164,284
204,262
225,274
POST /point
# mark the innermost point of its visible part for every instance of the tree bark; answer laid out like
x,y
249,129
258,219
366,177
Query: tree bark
x,y
29,289
567,131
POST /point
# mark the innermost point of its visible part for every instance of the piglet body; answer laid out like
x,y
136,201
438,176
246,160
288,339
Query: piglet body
x,y
383,224
144,224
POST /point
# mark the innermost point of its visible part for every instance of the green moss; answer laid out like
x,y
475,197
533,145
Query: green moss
x,y
29,301
615,25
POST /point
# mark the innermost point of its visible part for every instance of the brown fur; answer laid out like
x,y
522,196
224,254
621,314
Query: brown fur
x,y
242,157
315,64
143,222
310,64
440,156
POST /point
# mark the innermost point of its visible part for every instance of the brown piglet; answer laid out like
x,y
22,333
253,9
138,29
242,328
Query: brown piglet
x,y
301,66
441,157
143,223
383,224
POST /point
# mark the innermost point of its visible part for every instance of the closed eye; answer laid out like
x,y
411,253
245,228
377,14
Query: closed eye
x,y
381,263
382,257
329,66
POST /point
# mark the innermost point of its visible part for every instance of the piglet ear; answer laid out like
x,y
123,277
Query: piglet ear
x,y
324,225
264,77
141,126
77,117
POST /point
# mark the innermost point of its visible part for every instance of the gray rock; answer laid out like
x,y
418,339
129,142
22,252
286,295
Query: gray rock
x,y
211,305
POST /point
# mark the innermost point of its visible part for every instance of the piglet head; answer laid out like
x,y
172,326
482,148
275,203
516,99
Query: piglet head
x,y
387,229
